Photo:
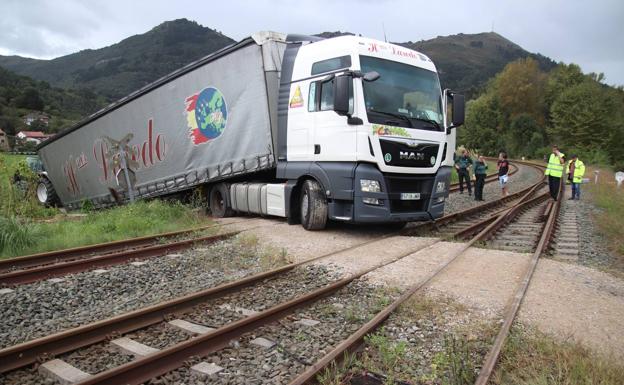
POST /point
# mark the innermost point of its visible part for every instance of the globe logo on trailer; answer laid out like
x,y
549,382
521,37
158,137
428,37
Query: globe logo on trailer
x,y
206,114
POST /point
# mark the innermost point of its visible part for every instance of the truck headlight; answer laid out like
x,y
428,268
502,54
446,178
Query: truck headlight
x,y
440,187
367,185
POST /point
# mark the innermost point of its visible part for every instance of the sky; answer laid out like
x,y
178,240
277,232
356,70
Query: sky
x,y
589,33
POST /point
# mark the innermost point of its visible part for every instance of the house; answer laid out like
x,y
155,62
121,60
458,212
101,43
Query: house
x,y
32,136
34,116
4,141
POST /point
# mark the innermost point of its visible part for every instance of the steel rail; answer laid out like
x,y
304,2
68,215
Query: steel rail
x,y
355,340
512,309
29,352
28,261
156,364
19,277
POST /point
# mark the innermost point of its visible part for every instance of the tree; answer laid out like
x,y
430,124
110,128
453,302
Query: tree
x,y
581,116
483,119
520,89
30,99
524,136
560,79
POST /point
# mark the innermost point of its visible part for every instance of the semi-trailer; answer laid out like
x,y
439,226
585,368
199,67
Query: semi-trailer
x,y
346,129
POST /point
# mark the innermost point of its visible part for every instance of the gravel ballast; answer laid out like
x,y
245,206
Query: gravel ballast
x,y
525,177
42,308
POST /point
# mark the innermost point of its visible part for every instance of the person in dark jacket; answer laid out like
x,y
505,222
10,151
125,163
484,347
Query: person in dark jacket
x,y
503,172
480,171
462,164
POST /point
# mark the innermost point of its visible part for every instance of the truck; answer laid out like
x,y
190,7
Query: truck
x,y
345,129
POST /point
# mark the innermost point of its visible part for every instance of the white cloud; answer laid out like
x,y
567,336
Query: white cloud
x,y
588,33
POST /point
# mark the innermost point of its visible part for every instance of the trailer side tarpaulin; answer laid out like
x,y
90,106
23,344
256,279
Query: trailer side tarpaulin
x,y
208,123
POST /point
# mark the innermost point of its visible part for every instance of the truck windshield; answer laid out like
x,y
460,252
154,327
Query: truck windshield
x,y
404,95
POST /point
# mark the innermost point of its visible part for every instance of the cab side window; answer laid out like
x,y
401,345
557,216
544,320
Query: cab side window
x,y
327,96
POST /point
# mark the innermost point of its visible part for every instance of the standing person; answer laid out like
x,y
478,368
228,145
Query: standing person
x,y
554,171
503,172
462,164
576,170
480,170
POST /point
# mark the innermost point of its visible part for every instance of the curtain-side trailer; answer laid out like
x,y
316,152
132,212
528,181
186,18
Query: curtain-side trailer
x,y
348,129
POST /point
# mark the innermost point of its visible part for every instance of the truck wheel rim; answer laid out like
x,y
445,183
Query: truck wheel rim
x,y
304,205
42,193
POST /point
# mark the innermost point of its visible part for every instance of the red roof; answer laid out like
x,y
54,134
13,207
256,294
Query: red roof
x,y
34,134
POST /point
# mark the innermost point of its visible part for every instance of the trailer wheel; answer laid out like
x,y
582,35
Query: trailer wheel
x,y
46,195
218,201
313,206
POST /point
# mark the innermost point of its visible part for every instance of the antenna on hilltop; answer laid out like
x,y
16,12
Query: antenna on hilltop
x,y
492,26
383,27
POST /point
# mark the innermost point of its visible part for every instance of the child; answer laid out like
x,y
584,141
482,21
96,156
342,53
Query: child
x,y
503,170
480,171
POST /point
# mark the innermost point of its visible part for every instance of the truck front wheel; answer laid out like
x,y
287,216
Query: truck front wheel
x,y
218,201
313,206
46,195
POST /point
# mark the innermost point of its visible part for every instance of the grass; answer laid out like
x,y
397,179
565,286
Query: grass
x,y
26,227
533,358
135,220
610,218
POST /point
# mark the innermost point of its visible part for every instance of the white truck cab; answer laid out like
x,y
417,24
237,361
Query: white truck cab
x,y
367,121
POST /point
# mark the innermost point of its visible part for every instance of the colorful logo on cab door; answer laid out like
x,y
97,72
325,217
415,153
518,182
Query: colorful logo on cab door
x,y
206,115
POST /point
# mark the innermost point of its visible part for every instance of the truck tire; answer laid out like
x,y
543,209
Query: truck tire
x,y
219,202
46,195
313,206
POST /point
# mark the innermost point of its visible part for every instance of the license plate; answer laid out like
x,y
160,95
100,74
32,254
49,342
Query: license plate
x,y
410,196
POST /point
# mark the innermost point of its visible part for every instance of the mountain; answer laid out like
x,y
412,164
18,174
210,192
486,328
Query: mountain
x,y
467,61
121,68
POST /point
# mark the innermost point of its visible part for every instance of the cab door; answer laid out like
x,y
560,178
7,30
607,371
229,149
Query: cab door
x,y
333,138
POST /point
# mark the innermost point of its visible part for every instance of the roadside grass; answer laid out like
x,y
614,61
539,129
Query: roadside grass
x,y
533,358
610,218
25,236
26,227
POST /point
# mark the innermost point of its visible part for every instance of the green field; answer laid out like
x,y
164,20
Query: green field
x,y
27,228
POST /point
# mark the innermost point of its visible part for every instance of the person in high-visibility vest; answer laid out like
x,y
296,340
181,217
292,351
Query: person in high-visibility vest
x,y
576,170
554,171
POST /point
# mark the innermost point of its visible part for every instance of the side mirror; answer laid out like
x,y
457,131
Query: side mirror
x,y
371,76
458,109
342,87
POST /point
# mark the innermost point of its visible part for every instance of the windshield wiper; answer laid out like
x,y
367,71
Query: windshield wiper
x,y
431,121
394,115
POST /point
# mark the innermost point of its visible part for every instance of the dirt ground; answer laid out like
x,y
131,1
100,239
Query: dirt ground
x,y
565,300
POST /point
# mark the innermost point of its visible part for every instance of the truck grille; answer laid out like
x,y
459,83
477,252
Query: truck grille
x,y
396,153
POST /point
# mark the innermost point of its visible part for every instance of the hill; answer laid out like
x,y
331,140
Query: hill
x,y
21,95
467,61
121,68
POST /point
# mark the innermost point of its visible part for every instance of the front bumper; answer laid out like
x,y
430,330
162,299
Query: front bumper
x,y
392,207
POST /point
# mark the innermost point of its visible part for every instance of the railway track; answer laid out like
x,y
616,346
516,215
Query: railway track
x,y
36,267
212,335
